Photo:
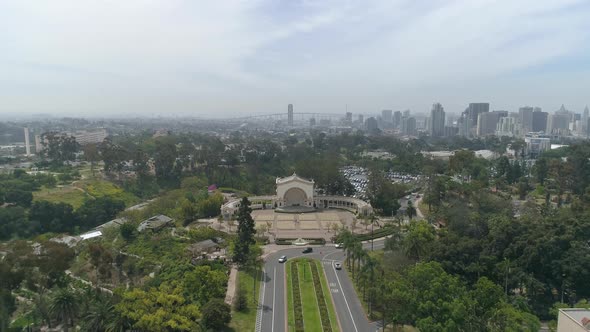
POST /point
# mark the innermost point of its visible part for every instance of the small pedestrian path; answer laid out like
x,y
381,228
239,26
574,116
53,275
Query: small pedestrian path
x,y
231,285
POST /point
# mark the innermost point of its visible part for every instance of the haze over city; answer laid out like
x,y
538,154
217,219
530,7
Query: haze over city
x,y
231,58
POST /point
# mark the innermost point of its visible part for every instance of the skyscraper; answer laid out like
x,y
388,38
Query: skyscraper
x,y
436,126
525,116
290,115
539,120
27,142
372,125
386,116
488,121
348,117
475,109
397,119
585,121
408,126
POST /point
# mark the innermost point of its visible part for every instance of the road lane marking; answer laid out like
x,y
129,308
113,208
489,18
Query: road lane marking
x,y
260,302
345,300
274,287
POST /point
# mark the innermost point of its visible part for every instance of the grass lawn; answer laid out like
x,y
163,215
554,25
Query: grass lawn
x,y
67,194
101,188
246,320
328,296
311,313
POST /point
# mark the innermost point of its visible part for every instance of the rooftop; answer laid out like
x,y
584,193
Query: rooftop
x,y
293,177
580,316
155,222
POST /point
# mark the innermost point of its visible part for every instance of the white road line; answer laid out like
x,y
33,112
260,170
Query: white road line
x,y
259,314
274,287
344,296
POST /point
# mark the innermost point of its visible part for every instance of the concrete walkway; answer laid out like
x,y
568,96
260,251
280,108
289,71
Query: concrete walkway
x,y
231,285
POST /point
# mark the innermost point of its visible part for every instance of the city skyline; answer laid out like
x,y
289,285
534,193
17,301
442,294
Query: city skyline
x,y
232,58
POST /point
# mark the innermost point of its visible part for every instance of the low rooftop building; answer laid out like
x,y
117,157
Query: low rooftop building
x,y
154,223
573,320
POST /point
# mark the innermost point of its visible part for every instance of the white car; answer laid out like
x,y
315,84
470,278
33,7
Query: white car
x,y
339,245
283,259
338,266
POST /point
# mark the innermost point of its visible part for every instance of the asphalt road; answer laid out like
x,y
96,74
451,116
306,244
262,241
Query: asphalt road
x,y
272,314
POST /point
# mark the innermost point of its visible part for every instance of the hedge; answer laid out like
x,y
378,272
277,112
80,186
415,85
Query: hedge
x,y
376,234
299,327
321,298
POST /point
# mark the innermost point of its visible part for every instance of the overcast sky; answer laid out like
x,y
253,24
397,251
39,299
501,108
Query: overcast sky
x,y
223,57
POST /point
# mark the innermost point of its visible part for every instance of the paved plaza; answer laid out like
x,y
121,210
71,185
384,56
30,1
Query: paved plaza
x,y
314,224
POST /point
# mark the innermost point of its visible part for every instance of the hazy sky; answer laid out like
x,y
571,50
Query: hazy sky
x,y
224,57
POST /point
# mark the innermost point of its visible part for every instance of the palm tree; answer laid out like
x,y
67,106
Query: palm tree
x,y
369,267
64,306
100,312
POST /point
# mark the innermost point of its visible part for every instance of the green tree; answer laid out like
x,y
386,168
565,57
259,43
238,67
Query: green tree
x,y
100,313
159,309
246,233
64,306
127,231
216,314
418,239
59,147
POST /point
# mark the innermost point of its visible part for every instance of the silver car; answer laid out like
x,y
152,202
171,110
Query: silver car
x,y
283,259
338,266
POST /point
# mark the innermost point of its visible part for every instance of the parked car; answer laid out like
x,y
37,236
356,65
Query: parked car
x,y
283,259
338,266
307,250
339,245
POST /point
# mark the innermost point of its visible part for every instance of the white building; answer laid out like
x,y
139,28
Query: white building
x,y
297,195
536,144
573,320
90,137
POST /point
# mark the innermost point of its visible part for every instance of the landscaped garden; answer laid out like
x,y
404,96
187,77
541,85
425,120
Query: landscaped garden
x,y
309,300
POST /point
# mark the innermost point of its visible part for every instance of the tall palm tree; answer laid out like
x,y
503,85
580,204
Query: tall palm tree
x,y
64,306
100,312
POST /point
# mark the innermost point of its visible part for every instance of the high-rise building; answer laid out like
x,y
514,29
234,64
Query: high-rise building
x,y
312,122
539,120
464,124
386,116
509,126
27,142
348,117
38,145
488,121
397,119
436,125
290,115
408,125
585,117
361,118
525,116
536,144
475,109
558,123
372,125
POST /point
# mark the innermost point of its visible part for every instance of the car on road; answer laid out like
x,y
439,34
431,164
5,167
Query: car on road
x,y
339,245
283,259
307,250
338,266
